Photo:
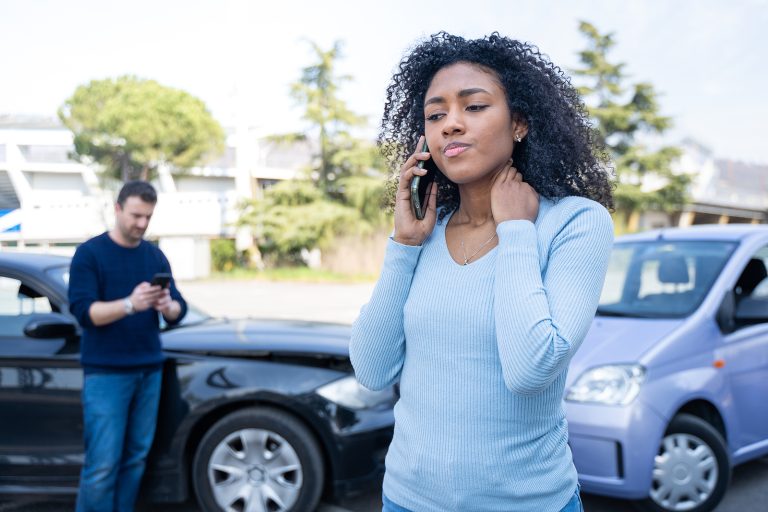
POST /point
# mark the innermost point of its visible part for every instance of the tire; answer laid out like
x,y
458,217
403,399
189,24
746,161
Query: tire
x,y
258,460
692,469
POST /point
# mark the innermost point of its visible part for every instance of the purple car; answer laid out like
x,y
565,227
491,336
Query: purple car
x,y
669,390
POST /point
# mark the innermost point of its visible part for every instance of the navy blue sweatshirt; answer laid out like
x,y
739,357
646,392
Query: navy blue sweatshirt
x,y
102,270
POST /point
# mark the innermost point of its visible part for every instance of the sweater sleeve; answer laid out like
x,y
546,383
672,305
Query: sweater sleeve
x,y
83,285
377,346
175,294
540,323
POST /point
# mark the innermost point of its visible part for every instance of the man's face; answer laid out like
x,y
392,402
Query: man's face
x,y
132,219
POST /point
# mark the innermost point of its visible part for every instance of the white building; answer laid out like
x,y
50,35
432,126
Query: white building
x,y
51,203
721,192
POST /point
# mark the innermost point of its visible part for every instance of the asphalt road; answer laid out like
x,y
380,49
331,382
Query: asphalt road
x,y
340,303
265,299
748,493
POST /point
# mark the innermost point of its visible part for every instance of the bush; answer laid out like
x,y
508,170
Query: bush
x,y
224,255
294,215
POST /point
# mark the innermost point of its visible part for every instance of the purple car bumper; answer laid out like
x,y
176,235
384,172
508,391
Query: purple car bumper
x,y
604,439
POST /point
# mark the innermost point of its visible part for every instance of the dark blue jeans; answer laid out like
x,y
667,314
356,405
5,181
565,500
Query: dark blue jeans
x,y
120,412
572,506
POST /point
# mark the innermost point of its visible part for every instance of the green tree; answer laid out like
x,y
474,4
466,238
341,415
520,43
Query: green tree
x,y
345,188
330,122
131,126
644,176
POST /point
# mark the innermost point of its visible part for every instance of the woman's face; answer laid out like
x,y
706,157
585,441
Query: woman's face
x,y
468,124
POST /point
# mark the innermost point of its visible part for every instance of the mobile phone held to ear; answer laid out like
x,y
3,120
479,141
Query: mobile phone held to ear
x,y
161,279
420,185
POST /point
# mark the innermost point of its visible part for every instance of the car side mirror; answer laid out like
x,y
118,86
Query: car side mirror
x,y
725,314
752,311
50,325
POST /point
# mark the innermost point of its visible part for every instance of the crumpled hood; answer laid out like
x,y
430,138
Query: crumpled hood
x,y
260,336
613,340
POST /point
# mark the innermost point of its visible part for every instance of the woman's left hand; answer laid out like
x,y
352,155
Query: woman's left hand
x,y
512,198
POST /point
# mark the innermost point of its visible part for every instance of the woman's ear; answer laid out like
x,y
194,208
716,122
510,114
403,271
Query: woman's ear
x,y
519,129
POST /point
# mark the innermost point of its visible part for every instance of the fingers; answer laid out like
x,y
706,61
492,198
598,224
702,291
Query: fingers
x,y
507,174
163,302
431,202
512,172
410,167
145,295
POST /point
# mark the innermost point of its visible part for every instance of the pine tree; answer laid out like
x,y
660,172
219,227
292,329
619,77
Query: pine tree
x,y
347,175
330,120
645,179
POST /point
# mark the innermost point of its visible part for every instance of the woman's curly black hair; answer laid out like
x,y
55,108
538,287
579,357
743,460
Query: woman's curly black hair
x,y
560,155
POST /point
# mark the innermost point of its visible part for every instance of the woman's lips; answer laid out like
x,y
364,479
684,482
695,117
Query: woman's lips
x,y
453,149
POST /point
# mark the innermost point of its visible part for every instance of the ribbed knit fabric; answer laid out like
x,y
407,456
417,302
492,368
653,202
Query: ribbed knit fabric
x,y
481,352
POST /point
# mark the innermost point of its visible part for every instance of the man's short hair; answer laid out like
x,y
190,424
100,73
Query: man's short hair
x,y
137,188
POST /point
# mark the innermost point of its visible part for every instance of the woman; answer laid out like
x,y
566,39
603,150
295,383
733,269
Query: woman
x,y
481,304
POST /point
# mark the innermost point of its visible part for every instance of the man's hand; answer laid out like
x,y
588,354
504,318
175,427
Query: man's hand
x,y
167,306
143,297
146,296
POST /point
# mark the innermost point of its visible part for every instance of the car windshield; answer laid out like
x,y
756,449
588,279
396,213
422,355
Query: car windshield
x,y
661,279
194,316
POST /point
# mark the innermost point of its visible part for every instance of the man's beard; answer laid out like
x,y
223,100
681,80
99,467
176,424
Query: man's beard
x,y
129,235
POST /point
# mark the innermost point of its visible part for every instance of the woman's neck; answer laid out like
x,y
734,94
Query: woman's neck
x,y
475,204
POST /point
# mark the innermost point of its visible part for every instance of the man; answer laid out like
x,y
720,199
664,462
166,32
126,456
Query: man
x,y
111,296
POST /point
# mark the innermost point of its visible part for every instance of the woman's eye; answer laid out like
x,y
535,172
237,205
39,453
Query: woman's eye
x,y
434,117
476,108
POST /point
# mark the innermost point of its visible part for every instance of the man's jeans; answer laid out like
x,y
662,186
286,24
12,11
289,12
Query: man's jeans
x,y
574,505
120,412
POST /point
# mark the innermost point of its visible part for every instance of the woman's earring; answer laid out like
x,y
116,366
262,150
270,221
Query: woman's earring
x,y
518,138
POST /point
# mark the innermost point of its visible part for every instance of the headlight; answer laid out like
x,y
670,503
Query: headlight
x,y
610,385
350,393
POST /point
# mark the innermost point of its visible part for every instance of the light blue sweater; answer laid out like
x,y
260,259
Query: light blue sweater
x,y
481,352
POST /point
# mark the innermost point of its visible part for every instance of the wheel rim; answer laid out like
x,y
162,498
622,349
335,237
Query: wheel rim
x,y
254,470
685,473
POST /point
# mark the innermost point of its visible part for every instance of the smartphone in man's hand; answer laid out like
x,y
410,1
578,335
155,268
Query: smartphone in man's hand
x,y
161,279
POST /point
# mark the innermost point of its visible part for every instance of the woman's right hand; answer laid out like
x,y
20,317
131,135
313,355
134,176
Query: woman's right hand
x,y
408,229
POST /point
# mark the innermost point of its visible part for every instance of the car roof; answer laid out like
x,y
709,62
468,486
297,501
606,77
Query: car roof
x,y
724,232
31,262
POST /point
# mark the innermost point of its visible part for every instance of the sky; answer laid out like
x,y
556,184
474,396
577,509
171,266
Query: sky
x,y
708,59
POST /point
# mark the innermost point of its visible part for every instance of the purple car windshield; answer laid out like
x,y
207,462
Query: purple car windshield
x,y
661,278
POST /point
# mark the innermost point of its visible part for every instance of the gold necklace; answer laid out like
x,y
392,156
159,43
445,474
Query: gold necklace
x,y
464,251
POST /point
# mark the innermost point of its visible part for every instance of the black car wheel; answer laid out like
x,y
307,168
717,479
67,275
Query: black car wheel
x,y
258,460
691,471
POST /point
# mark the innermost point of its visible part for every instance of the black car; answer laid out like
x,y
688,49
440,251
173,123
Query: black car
x,y
250,410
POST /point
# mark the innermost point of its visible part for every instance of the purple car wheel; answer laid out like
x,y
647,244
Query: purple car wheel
x,y
691,471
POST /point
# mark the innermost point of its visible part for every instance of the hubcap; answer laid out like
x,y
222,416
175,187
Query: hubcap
x,y
685,473
257,475
254,470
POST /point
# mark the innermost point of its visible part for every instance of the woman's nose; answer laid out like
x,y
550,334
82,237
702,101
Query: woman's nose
x,y
454,123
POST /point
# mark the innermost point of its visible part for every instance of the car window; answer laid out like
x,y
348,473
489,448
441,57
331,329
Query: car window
x,y
18,302
753,281
761,290
60,275
661,279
